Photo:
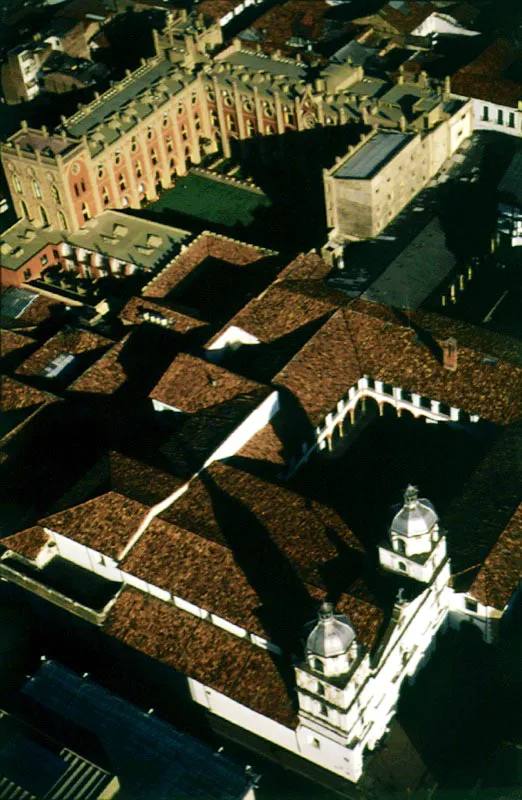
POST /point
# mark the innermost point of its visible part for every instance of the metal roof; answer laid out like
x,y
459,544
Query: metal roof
x,y
373,154
14,301
171,763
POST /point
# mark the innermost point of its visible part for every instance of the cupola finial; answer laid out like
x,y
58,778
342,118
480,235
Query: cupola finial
x,y
411,495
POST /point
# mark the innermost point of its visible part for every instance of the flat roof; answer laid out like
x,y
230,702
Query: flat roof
x,y
373,155
137,89
128,238
407,282
22,241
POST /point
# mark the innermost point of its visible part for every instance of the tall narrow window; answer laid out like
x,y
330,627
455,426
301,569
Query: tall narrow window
x,y
153,156
138,169
56,194
45,218
36,189
500,117
82,184
85,212
122,183
324,709
170,146
76,190
105,196
485,114
17,184
511,122
184,133
23,209
62,222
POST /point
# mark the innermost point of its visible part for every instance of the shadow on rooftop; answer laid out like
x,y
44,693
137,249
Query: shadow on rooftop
x,y
285,605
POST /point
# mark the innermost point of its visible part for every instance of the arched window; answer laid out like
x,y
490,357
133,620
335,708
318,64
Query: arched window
x,y
23,209
86,214
36,189
17,184
401,547
56,194
62,222
45,218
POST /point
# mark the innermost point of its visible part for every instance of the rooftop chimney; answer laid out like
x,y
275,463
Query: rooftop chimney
x,y
449,354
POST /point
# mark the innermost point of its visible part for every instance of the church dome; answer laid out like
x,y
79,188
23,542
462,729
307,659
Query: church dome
x,y
417,517
332,635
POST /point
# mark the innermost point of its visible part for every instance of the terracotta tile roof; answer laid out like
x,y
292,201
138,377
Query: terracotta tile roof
x,y
366,618
297,297
205,573
494,75
284,316
301,18
106,375
261,686
266,445
15,395
192,384
27,543
139,480
86,346
224,502
134,310
215,9
406,18
200,650
105,523
365,339
10,341
489,499
501,572
207,244
37,312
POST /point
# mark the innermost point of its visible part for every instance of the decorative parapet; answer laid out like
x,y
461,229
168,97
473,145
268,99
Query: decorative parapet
x,y
367,388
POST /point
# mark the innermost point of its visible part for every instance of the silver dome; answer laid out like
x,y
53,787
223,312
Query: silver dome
x,y
332,635
416,517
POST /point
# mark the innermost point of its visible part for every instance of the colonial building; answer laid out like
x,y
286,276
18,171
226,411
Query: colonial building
x,y
134,140
167,570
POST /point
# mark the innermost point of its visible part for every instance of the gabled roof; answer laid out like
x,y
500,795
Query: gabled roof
x,y
202,651
402,350
192,384
27,543
501,572
105,523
